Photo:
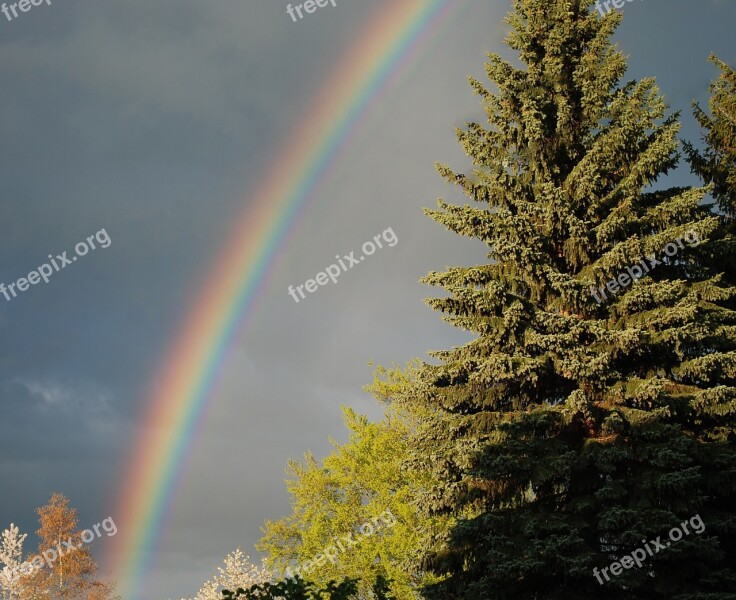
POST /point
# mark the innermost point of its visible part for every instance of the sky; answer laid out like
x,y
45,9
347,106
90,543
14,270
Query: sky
x,y
154,121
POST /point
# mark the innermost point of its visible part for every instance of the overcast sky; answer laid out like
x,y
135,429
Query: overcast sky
x,y
149,118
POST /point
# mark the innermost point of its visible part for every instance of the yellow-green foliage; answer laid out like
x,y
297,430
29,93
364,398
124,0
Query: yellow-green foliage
x,y
358,481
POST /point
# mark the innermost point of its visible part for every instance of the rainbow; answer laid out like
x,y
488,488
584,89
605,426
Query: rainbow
x,y
178,398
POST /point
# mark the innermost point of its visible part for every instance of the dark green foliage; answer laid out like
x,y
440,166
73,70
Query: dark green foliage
x,y
298,589
295,589
569,430
382,589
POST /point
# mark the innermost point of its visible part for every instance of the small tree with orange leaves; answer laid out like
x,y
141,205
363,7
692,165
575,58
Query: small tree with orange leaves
x,y
69,570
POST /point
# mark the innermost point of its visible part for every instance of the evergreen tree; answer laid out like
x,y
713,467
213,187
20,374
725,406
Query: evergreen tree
x,y
585,417
716,164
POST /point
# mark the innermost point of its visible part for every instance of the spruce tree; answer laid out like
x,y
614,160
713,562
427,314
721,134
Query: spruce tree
x,y
571,429
716,163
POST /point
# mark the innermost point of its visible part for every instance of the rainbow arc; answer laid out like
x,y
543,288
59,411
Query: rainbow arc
x,y
179,396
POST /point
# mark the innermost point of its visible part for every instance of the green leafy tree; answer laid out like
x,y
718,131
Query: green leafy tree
x,y
585,416
360,483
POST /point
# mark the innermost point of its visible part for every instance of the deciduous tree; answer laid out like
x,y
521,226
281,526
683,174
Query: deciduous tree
x,y
358,481
238,572
11,558
71,572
